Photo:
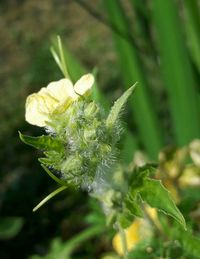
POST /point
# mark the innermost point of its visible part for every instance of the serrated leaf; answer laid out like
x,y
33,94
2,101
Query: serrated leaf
x,y
52,158
157,196
43,142
134,207
137,181
118,105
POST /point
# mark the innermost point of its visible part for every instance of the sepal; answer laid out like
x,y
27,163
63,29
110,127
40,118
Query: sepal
x,y
117,107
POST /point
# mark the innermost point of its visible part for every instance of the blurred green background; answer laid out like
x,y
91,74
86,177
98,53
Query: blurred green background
x,y
153,42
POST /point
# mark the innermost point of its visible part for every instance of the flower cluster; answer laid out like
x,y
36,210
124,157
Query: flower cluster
x,y
87,145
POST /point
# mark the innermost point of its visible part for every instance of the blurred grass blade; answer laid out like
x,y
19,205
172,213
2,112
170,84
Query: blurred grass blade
x,y
58,54
77,240
192,24
129,146
132,71
177,72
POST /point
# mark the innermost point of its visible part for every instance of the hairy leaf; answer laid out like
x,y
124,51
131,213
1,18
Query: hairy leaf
x,y
42,142
118,105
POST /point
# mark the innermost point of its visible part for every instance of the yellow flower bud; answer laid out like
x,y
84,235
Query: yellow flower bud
x,y
55,98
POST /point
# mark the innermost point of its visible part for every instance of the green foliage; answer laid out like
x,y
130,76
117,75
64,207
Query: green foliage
x,y
49,197
159,248
133,70
177,72
82,141
190,243
64,250
192,24
123,202
157,196
59,56
152,51
44,142
10,227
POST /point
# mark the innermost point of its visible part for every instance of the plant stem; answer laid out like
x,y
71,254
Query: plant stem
x,y
123,240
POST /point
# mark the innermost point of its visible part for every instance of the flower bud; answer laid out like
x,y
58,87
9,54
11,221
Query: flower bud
x,y
91,110
71,164
89,134
87,140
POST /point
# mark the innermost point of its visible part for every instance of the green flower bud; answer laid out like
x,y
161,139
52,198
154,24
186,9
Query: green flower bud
x,y
105,149
89,134
72,163
91,110
88,143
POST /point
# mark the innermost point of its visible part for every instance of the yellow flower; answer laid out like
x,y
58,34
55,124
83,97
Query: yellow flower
x,y
133,237
55,98
139,230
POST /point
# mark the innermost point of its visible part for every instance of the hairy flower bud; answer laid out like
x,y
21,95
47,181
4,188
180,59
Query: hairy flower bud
x,y
89,144
91,110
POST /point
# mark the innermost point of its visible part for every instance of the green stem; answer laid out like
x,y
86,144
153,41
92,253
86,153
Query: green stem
x,y
123,240
55,178
76,241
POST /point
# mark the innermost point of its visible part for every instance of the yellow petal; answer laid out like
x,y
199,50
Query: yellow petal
x,y
84,84
133,236
139,230
37,109
61,90
55,98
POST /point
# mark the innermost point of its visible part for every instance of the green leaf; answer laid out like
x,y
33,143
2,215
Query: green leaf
x,y
118,105
136,181
58,54
133,69
42,142
157,196
53,158
133,205
48,197
192,25
177,71
10,227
